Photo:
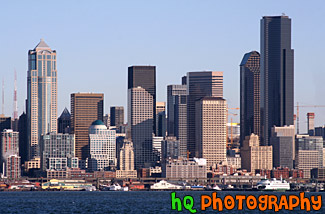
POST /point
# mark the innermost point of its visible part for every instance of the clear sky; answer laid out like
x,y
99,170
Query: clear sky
x,y
97,40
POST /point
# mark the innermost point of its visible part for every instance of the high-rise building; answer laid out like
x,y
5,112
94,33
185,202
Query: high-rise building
x,y
283,142
117,116
305,142
170,148
64,122
250,95
10,154
141,112
57,148
277,75
145,77
41,95
85,109
107,120
23,143
161,120
177,115
102,147
254,156
210,113
126,162
310,123
199,85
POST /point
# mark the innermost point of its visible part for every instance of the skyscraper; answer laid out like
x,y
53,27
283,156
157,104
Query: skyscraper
x,y
64,122
199,85
102,143
283,141
117,116
141,112
210,113
177,115
85,109
249,95
41,95
145,77
277,74
161,119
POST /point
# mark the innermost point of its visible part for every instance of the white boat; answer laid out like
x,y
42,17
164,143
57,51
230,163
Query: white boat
x,y
273,185
164,185
115,187
90,189
213,187
125,189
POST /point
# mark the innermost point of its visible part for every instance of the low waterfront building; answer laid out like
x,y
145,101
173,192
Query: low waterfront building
x,y
254,156
184,169
34,163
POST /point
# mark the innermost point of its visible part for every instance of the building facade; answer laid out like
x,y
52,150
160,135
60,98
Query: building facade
x,y
41,95
210,113
126,162
170,148
277,75
184,169
199,85
57,147
141,112
10,158
85,109
250,95
254,156
116,116
64,122
177,115
102,142
145,77
283,142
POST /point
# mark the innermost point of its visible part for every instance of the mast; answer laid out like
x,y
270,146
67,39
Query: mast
x,y
15,114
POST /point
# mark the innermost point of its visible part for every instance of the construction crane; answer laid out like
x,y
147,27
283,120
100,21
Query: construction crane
x,y
305,106
231,132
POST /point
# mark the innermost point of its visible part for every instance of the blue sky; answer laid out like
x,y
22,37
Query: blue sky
x,y
97,40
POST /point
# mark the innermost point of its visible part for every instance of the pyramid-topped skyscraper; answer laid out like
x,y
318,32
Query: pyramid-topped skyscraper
x,y
41,95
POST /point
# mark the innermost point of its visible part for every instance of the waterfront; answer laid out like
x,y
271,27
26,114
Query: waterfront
x,y
113,202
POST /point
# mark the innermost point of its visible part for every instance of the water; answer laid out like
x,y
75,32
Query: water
x,y
112,202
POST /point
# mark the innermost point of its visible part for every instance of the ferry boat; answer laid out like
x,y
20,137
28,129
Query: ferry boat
x,y
115,187
214,187
164,185
273,185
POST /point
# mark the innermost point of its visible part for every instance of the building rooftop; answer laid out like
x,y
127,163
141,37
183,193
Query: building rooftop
x,y
97,123
42,45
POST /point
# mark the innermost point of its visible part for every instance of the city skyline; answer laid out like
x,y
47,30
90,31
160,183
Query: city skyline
x,y
203,52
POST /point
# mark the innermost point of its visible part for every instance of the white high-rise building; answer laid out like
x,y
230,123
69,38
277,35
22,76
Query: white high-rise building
x,y
41,95
102,143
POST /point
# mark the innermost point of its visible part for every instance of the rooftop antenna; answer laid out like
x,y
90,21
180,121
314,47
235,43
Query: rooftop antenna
x,y
15,114
3,96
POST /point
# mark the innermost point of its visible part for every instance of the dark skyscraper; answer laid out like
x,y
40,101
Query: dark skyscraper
x,y
277,76
64,122
117,116
145,77
200,84
177,115
23,141
250,95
